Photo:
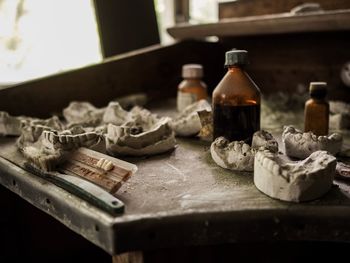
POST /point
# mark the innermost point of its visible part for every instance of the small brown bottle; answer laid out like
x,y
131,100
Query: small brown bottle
x,y
236,101
317,109
192,88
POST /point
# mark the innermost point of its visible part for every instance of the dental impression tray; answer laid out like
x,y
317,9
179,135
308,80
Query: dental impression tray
x,y
103,170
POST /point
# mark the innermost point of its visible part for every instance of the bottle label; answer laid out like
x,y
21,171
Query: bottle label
x,y
184,99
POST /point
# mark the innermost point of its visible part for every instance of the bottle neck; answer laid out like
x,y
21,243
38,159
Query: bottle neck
x,y
316,98
233,68
193,79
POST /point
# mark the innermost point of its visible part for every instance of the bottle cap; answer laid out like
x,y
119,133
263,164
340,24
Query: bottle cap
x,y
236,57
318,89
192,71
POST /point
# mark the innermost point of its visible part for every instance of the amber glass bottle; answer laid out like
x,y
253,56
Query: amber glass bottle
x,y
317,109
192,88
236,101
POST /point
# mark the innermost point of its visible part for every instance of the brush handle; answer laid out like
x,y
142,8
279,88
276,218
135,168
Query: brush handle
x,y
85,190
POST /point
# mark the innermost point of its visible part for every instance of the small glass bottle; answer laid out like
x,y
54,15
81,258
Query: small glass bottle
x,y
192,88
317,109
236,101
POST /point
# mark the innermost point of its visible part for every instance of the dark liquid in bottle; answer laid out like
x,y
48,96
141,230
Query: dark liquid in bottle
x,y
236,123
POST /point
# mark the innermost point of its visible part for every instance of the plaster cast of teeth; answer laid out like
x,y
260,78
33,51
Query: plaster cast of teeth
x,y
150,136
294,181
53,123
265,140
238,155
342,171
9,125
83,113
234,155
187,123
56,140
31,134
301,145
115,114
105,165
46,160
52,147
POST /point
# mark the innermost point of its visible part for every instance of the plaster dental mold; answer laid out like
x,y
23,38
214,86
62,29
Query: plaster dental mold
x,y
294,181
342,171
53,122
9,125
42,158
31,134
52,147
33,128
188,122
265,140
115,114
206,119
69,140
300,145
235,155
83,113
238,155
147,136
13,126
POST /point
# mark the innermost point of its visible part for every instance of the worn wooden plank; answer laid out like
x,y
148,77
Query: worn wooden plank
x,y
155,71
229,9
266,24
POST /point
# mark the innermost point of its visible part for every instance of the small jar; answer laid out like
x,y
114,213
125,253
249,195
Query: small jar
x,y
192,88
317,109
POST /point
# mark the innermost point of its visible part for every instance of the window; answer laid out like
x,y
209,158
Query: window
x,y
42,37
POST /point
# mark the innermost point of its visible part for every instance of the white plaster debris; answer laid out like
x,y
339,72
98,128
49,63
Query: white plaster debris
x,y
294,181
300,145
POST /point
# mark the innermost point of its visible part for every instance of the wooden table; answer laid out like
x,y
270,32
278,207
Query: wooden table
x,y
182,198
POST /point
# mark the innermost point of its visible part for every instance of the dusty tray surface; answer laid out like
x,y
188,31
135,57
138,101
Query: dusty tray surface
x,y
183,198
